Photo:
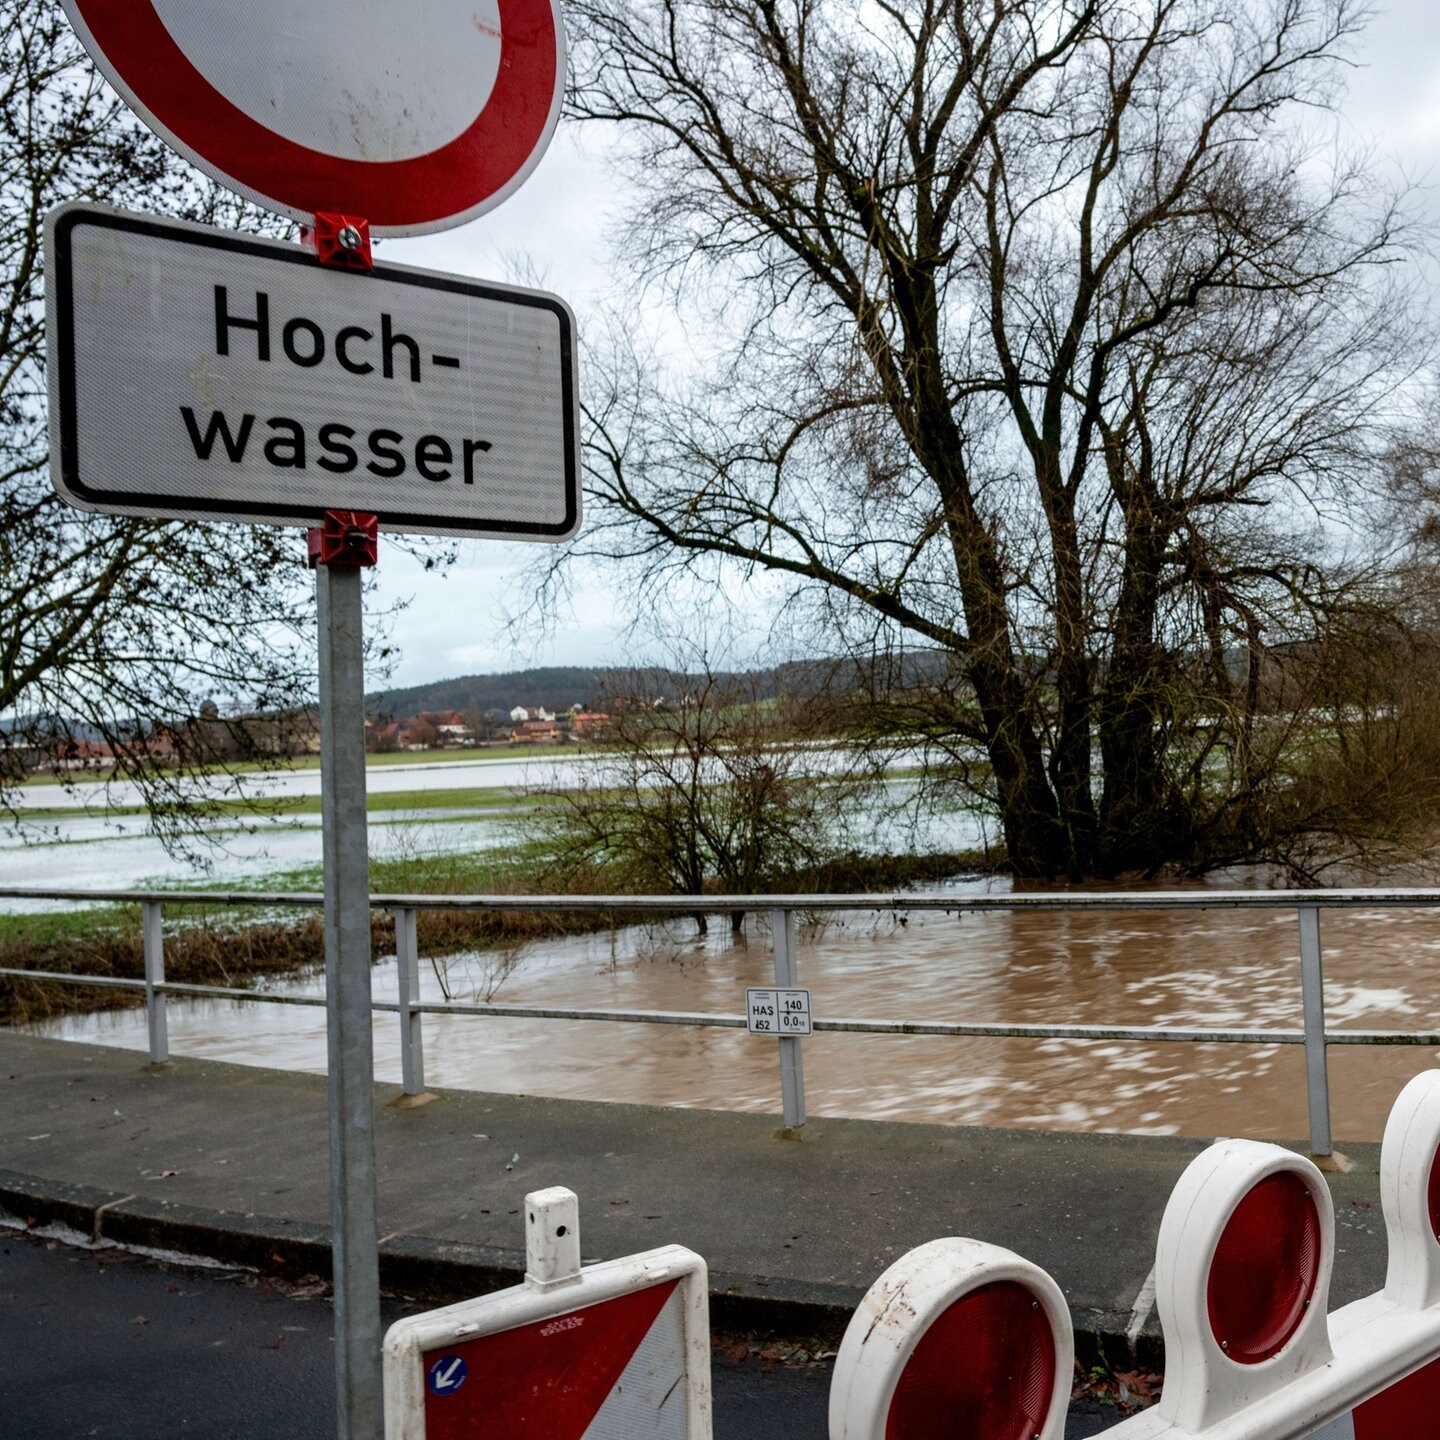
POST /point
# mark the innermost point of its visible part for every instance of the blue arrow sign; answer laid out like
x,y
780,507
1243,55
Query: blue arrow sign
x,y
446,1375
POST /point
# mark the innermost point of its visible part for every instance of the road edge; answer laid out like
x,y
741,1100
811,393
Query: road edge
x,y
443,1271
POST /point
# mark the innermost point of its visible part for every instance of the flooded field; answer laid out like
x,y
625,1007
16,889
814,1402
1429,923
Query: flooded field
x,y
438,775
64,845
1221,967
92,849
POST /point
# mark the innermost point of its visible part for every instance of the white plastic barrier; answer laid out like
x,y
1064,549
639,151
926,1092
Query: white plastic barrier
x,y
616,1348
1242,1284
1242,1280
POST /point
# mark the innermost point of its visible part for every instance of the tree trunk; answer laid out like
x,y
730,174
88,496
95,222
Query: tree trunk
x,y
1143,819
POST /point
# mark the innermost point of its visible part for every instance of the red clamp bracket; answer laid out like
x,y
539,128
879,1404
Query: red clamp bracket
x,y
340,240
349,539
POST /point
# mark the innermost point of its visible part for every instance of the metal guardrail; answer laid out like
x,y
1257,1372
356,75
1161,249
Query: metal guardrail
x,y
1307,904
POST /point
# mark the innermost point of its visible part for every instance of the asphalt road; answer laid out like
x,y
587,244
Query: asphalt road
x,y
111,1345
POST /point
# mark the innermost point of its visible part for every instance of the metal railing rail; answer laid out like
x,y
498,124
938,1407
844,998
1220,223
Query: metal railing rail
x,y
783,910
1337,899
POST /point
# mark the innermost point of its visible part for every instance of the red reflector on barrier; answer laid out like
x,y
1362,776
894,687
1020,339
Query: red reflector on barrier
x,y
984,1370
1264,1269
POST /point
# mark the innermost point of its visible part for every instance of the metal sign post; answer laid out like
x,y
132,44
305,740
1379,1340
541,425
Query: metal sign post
x,y
262,386
787,980
359,1399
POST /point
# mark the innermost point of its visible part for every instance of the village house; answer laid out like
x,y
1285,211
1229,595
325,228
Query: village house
x,y
532,732
76,755
429,730
588,722
450,726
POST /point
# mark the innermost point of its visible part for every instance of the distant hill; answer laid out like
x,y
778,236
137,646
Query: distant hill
x,y
558,687
52,726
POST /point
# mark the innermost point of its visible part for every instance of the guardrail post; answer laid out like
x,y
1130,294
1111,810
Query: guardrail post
x,y
1312,991
152,929
792,1063
407,971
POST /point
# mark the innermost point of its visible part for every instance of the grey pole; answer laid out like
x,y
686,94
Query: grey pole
x,y
792,1063
359,1399
1312,991
153,927
407,974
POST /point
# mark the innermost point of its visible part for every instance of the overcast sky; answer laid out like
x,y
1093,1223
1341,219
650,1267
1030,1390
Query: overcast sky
x,y
456,623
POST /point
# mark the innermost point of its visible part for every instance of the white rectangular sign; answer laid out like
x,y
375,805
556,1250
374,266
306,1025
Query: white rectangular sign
x,y
777,1012
200,374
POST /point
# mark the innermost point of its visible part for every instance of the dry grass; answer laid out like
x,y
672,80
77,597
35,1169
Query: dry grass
x,y
226,950
206,952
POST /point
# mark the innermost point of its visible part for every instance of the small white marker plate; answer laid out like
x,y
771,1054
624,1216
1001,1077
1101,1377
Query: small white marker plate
x,y
777,1012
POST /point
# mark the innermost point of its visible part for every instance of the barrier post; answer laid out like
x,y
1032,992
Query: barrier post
x,y
792,1061
1312,991
407,973
156,1022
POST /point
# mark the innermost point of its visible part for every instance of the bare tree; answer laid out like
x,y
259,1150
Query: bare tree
x,y
715,789
1039,333
115,630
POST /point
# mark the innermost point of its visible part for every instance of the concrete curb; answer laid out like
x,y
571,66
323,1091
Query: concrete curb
x,y
442,1271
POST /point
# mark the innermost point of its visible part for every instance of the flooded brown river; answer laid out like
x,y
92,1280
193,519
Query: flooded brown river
x,y
1223,968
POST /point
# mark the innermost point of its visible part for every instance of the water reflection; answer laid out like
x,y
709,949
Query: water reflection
x,y
1225,968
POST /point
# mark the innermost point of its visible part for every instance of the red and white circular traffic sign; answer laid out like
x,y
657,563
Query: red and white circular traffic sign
x,y
417,118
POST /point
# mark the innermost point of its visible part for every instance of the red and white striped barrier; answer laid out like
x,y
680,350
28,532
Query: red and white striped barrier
x,y
1407,1410
962,1338
617,1348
